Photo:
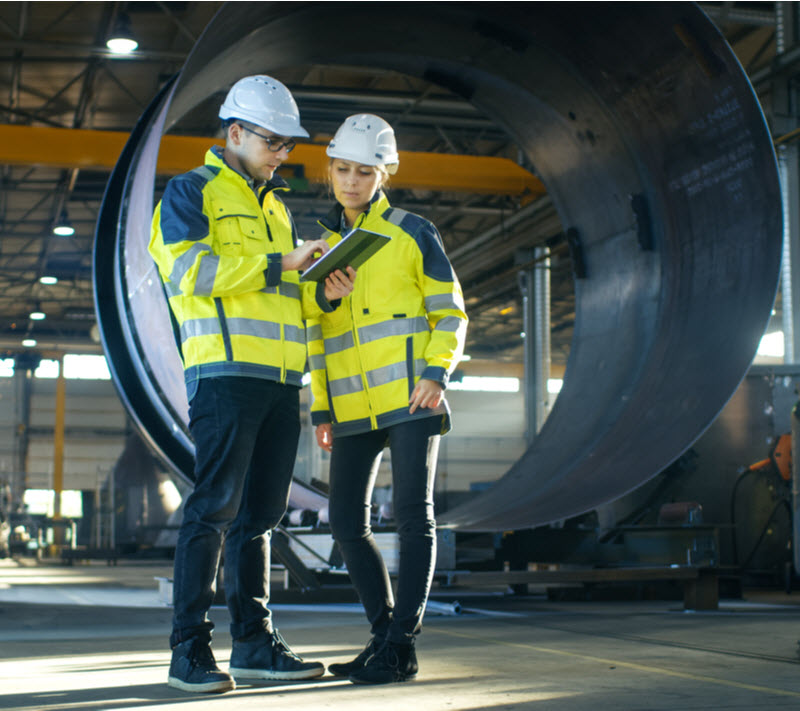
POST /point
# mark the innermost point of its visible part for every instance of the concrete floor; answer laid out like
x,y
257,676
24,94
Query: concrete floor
x,y
95,637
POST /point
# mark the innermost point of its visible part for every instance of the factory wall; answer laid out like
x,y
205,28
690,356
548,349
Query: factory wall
x,y
95,431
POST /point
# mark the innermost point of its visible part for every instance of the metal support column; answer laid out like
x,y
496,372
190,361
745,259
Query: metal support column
x,y
58,444
541,294
24,365
534,284
786,118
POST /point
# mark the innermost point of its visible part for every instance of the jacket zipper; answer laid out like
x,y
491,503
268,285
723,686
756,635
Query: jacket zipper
x,y
372,418
261,197
357,344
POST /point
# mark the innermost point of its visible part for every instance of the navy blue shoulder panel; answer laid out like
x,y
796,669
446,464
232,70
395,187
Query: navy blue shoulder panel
x,y
435,263
182,215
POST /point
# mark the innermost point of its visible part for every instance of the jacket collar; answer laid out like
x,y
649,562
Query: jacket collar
x,y
215,158
333,220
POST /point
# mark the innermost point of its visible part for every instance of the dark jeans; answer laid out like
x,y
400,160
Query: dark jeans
x,y
354,465
246,432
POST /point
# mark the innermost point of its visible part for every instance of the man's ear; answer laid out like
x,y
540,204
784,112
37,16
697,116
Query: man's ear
x,y
234,134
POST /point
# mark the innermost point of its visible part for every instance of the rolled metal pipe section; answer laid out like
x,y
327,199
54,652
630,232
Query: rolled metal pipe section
x,y
654,150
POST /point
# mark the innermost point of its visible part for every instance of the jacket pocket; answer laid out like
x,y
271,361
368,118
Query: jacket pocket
x,y
239,235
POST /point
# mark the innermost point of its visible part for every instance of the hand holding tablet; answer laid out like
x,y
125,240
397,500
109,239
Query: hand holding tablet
x,y
354,249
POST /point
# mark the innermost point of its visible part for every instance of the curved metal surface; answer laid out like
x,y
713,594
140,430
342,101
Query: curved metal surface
x,y
647,134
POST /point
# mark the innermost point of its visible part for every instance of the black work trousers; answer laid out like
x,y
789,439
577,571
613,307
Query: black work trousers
x,y
414,446
246,432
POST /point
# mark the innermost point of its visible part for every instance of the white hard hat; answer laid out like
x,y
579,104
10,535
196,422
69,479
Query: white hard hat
x,y
265,102
366,139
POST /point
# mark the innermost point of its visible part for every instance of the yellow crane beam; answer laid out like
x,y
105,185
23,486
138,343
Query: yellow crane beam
x,y
99,150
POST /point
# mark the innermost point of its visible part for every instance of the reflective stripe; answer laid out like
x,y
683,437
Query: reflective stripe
x,y
294,377
339,343
200,327
345,386
441,301
395,216
451,324
254,327
206,172
186,260
290,290
317,362
387,373
395,327
295,334
206,274
245,327
314,333
172,289
394,371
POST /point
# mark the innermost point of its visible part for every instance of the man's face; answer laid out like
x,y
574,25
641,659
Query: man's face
x,y
253,146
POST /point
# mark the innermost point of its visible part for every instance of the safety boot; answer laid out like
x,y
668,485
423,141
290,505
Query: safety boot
x,y
193,668
345,669
266,655
392,662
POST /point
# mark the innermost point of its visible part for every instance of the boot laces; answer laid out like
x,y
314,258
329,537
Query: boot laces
x,y
201,657
279,645
386,657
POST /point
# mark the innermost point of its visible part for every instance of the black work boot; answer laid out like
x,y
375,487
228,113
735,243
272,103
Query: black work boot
x,y
193,668
267,656
392,662
347,668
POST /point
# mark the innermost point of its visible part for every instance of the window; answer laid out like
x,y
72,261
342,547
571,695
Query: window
x,y
487,384
76,367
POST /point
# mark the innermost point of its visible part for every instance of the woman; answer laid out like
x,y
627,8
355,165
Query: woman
x,y
379,366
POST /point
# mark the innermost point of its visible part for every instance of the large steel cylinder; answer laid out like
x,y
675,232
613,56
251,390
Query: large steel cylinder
x,y
653,148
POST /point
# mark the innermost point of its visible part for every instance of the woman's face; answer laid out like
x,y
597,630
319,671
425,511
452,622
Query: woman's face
x,y
354,184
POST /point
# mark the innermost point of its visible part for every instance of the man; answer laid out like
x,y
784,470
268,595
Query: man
x,y
226,249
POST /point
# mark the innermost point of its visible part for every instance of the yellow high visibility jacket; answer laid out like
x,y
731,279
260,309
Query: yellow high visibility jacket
x,y
404,320
218,246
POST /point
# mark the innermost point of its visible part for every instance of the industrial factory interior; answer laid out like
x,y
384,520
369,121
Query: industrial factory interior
x,y
617,187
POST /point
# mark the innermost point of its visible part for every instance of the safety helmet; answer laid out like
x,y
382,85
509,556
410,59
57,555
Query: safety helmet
x,y
366,139
265,102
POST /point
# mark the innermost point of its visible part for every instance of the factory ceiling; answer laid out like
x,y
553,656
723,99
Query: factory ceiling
x,y
57,73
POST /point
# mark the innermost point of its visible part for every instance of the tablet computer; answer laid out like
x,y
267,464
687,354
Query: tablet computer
x,y
354,249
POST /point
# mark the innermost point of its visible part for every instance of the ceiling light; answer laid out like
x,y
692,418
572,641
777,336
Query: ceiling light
x,y
37,315
29,342
122,40
63,228
49,280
